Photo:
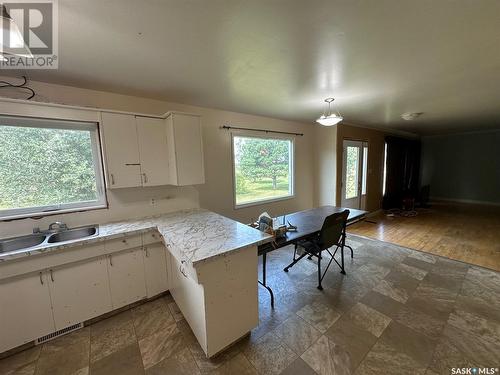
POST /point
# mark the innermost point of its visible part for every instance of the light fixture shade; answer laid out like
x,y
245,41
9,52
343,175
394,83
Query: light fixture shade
x,y
329,120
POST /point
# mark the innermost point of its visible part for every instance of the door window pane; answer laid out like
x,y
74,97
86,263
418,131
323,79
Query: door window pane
x,y
352,164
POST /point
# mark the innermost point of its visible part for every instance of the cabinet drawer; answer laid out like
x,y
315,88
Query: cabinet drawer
x,y
123,243
151,237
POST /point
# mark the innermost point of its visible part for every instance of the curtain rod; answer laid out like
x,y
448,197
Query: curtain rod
x,y
261,130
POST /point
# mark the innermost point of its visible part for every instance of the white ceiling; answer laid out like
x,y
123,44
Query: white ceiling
x,y
379,59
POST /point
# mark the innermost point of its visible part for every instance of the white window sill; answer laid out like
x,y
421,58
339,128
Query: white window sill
x,y
262,202
38,215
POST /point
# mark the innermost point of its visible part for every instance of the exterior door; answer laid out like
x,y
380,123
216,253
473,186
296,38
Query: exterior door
x,y
354,174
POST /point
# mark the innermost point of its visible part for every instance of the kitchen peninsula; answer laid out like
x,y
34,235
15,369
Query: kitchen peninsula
x,y
211,267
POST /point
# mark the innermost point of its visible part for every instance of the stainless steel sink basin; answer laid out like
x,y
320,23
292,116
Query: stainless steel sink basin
x,y
23,242
73,234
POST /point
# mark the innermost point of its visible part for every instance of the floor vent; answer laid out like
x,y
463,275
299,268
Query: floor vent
x,y
61,332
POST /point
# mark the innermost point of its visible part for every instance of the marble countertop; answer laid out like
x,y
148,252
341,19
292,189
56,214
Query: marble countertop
x,y
192,236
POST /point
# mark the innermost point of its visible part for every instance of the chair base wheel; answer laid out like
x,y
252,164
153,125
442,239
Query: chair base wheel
x,y
320,287
285,269
342,272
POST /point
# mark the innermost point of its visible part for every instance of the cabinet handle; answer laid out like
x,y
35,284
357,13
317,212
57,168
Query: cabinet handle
x,y
181,270
41,278
145,178
51,275
112,179
110,260
146,251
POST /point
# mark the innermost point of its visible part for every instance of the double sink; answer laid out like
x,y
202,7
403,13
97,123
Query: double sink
x,y
24,243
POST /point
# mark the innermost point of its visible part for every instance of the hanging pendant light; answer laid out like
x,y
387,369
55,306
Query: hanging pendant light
x,y
330,118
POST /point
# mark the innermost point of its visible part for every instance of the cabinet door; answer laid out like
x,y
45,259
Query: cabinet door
x,y
187,166
25,310
152,137
155,267
79,291
126,277
121,150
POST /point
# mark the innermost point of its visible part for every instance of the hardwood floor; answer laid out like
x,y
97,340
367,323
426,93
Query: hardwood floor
x,y
469,233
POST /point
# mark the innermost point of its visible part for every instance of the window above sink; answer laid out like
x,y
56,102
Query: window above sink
x,y
49,166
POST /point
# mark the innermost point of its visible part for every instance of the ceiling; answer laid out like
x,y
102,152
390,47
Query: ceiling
x,y
379,59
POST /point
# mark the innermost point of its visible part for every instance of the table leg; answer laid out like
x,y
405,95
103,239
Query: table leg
x,y
342,261
342,269
263,282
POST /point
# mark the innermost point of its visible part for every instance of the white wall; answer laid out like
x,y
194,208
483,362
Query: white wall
x,y
216,194
325,163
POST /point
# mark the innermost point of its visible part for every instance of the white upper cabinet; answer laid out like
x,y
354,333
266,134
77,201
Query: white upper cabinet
x,y
185,147
149,151
152,138
121,149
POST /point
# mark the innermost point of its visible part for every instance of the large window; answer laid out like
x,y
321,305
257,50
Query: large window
x,y
48,165
263,169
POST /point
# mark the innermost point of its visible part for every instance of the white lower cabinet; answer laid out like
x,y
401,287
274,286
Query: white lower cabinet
x,y
126,277
79,291
25,310
155,267
219,299
38,303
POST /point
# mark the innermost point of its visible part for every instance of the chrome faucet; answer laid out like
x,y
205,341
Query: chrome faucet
x,y
60,226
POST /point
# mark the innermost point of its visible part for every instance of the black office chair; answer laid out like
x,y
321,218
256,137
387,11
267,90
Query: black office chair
x,y
331,234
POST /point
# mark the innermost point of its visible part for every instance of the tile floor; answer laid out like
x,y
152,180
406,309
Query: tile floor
x,y
397,311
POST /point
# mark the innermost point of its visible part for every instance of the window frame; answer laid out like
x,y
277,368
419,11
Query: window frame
x,y
246,134
95,139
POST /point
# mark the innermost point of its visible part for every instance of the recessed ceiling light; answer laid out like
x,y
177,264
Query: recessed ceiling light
x,y
409,116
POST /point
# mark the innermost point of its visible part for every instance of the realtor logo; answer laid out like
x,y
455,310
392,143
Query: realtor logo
x,y
29,35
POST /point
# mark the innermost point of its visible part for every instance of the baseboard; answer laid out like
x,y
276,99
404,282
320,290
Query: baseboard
x,y
469,201
368,215
374,213
86,323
